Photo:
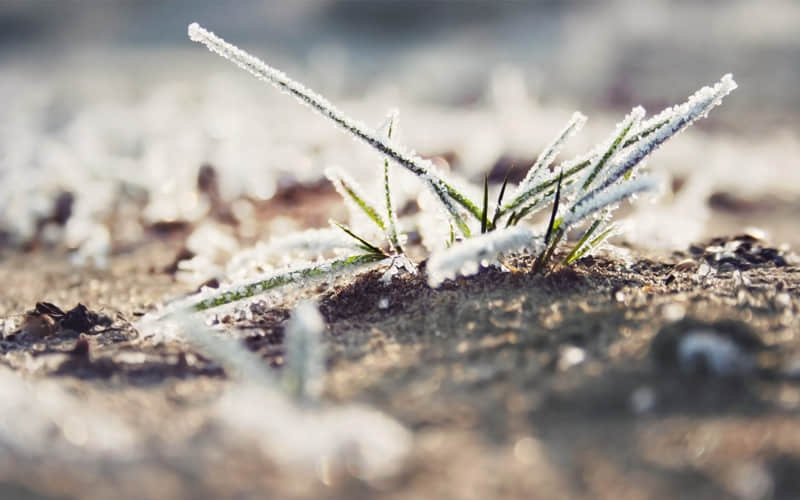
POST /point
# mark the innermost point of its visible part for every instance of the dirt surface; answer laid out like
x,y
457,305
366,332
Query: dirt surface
x,y
514,385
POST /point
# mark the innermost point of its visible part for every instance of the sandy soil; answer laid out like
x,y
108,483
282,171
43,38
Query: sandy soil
x,y
514,385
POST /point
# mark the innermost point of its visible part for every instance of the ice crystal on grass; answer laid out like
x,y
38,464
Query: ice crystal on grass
x,y
523,191
297,276
578,189
294,278
674,120
466,258
423,168
602,198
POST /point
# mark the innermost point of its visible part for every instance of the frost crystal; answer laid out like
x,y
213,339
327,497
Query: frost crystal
x,y
599,199
353,195
308,244
676,119
549,154
467,257
606,150
399,264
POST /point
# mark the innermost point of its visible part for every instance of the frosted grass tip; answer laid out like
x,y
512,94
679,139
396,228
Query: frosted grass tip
x,y
196,32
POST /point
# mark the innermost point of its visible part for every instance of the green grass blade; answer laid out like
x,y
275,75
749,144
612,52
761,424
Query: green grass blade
x,y
548,155
631,121
366,245
555,210
485,211
548,251
570,258
279,279
570,171
463,200
349,189
592,244
421,167
391,218
452,236
501,195
644,133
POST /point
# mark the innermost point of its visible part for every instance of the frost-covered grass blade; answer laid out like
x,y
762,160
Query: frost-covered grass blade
x,y
273,281
485,210
450,197
467,257
391,217
349,189
596,181
582,248
630,121
363,243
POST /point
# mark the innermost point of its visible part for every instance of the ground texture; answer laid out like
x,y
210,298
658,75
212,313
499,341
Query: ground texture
x,y
514,385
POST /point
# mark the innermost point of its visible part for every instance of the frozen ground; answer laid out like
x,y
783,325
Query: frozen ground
x,y
498,386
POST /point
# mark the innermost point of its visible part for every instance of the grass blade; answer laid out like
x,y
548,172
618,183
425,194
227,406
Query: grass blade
x,y
592,244
603,197
469,256
351,191
552,150
391,226
364,244
501,195
570,169
571,257
421,167
630,122
678,118
485,211
555,211
283,278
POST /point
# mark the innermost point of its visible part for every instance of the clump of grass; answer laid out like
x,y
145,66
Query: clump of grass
x,y
584,190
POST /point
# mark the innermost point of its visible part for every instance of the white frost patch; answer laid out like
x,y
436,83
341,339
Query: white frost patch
x,y
607,197
400,264
467,257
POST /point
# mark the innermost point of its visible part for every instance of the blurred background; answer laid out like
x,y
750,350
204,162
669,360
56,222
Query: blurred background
x,y
110,110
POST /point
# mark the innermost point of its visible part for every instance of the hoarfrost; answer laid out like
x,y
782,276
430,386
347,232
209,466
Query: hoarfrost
x,y
676,119
466,258
399,264
599,199
575,124
423,168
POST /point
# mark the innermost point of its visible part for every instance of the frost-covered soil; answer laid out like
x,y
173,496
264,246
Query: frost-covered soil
x,y
508,385
504,385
